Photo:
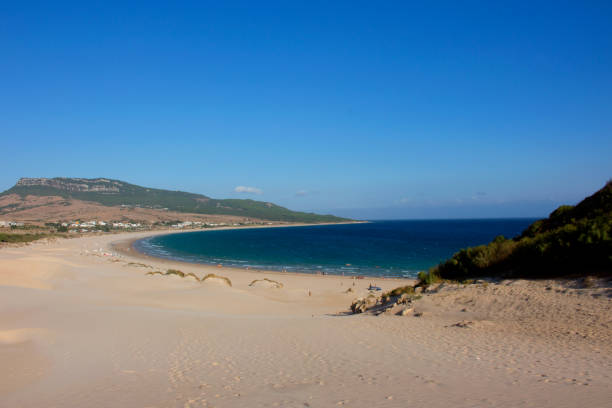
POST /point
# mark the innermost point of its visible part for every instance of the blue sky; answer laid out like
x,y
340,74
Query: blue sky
x,y
450,109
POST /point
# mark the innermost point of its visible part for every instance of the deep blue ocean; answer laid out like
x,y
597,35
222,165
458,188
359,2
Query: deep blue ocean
x,y
378,248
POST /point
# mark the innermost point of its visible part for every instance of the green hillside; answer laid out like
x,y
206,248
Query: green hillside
x,y
572,241
114,193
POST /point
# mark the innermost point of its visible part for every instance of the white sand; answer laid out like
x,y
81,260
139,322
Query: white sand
x,y
82,329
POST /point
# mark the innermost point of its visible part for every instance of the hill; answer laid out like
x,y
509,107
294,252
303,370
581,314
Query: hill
x,y
40,192
572,241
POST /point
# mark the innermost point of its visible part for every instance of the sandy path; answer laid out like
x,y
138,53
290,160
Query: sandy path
x,y
78,328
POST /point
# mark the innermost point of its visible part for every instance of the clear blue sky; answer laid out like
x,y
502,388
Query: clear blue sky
x,y
452,109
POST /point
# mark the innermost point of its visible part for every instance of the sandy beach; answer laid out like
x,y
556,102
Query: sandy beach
x,y
83,325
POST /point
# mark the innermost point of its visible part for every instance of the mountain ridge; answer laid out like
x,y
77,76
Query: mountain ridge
x,y
111,193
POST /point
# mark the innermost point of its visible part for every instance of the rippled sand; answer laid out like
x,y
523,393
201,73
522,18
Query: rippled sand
x,y
83,325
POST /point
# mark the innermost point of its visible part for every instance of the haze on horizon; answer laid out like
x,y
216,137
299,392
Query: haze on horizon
x,y
358,109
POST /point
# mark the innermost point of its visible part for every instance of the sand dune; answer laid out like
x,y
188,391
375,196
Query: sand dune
x,y
83,325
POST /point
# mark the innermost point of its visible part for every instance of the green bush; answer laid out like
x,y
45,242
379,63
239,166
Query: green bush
x,y
400,291
574,240
430,277
21,238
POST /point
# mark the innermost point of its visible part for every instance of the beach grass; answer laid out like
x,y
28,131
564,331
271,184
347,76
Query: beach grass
x,y
277,284
175,272
213,276
25,238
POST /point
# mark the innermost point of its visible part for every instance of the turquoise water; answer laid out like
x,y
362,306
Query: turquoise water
x,y
381,248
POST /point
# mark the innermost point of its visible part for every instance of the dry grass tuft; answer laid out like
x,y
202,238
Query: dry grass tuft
x,y
175,272
273,282
213,276
193,275
138,264
400,291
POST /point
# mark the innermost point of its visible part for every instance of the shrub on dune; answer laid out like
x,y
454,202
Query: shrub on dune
x,y
574,241
266,282
193,275
175,272
212,276
154,273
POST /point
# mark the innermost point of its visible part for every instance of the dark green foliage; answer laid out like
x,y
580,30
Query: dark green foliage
x,y
475,260
400,291
427,278
597,205
403,292
572,241
115,193
18,238
58,227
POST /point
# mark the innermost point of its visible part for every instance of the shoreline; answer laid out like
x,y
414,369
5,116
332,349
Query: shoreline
x,y
127,248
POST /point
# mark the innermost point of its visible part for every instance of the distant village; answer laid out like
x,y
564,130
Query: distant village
x,y
8,224
105,226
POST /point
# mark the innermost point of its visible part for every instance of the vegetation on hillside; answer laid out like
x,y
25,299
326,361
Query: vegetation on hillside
x,y
572,241
24,238
114,193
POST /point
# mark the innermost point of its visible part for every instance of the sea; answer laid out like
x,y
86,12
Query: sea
x,y
397,248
